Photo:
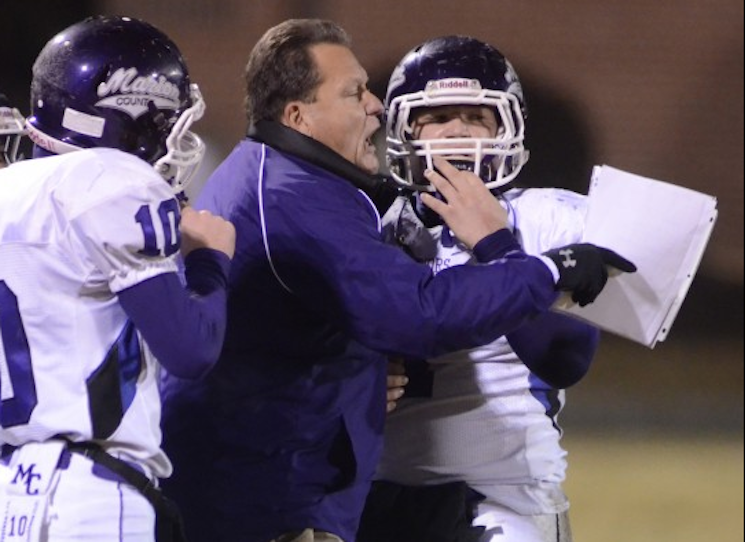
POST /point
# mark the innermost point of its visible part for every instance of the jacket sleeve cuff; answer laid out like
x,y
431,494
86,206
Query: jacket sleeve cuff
x,y
495,246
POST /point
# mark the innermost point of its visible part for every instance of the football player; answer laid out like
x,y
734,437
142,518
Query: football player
x,y
478,438
91,300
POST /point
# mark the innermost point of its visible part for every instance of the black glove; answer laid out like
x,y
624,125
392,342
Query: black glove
x,y
583,271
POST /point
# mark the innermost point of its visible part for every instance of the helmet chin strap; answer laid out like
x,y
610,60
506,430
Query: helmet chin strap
x,y
485,171
429,218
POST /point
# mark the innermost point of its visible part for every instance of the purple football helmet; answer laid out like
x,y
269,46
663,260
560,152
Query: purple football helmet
x,y
117,82
455,70
11,130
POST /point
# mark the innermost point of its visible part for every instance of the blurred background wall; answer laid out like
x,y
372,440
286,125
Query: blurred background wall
x,y
655,88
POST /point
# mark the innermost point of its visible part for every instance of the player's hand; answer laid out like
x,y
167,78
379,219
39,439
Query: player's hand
x,y
469,209
583,269
202,229
397,380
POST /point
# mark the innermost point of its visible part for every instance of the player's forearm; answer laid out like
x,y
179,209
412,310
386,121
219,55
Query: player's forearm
x,y
556,348
161,308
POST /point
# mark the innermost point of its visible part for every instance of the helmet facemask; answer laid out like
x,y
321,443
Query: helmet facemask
x,y
11,131
184,149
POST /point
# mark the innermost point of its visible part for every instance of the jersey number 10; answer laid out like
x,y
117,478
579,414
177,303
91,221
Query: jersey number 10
x,y
168,213
15,410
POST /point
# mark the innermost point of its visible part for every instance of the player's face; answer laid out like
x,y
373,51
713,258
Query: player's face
x,y
345,114
454,121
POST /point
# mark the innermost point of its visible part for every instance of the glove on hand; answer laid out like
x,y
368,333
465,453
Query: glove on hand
x,y
583,269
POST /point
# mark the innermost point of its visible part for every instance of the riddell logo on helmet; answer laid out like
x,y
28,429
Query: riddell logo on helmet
x,y
128,91
453,84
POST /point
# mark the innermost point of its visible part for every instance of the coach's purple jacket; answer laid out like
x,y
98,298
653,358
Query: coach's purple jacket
x,y
284,434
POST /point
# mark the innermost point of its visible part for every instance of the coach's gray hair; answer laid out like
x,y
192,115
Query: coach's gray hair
x,y
281,69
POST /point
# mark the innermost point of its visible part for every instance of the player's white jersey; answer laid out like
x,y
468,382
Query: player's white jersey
x,y
489,421
75,229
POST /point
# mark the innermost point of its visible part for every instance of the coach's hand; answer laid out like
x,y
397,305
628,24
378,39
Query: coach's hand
x,y
583,269
467,206
397,381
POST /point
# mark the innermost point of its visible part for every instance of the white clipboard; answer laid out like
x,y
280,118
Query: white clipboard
x,y
661,227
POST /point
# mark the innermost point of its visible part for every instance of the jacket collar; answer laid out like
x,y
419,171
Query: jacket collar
x,y
380,189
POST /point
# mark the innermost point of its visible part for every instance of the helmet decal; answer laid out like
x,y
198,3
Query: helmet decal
x,y
453,83
513,83
128,91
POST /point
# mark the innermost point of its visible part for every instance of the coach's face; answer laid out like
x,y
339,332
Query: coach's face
x,y
345,114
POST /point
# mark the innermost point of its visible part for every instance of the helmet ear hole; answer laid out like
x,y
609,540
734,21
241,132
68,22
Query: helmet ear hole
x,y
158,118
145,141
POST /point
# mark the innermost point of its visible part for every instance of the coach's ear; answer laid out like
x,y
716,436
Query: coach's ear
x,y
294,116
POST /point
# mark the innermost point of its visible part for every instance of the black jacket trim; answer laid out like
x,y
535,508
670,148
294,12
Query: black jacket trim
x,y
379,188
